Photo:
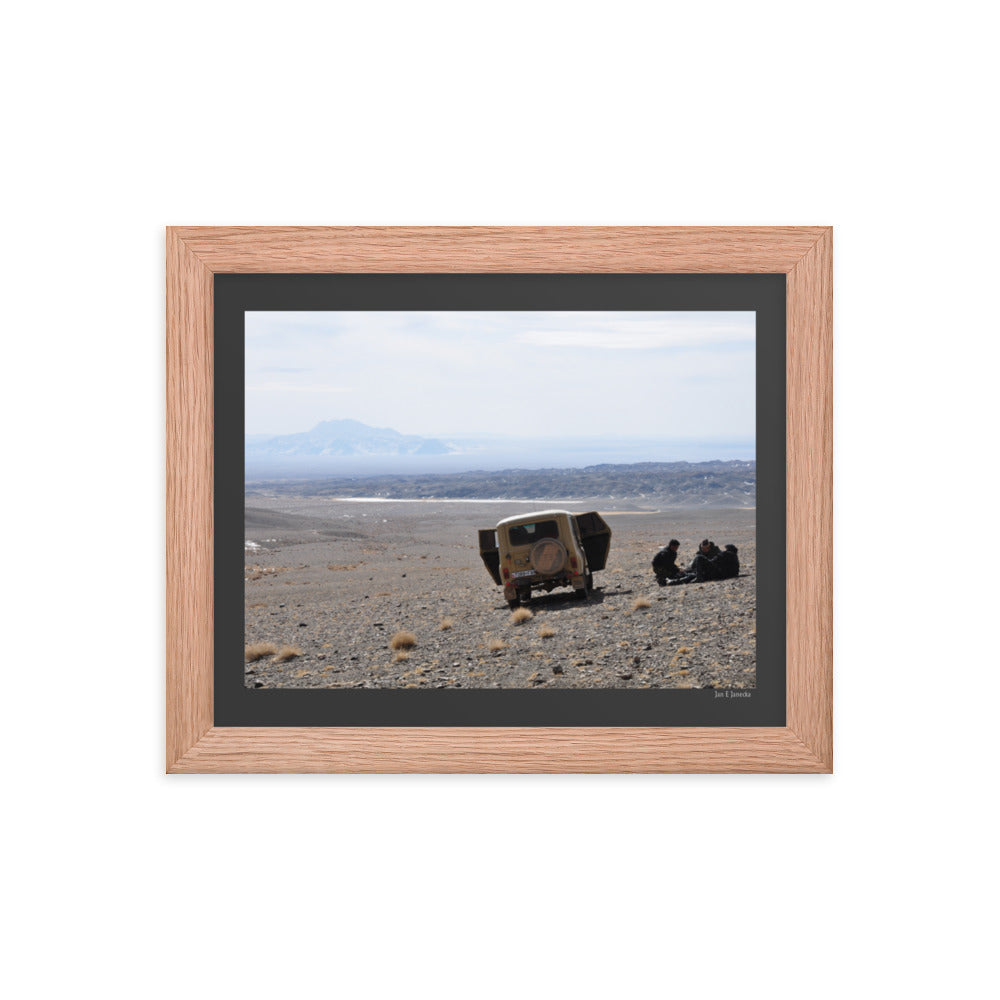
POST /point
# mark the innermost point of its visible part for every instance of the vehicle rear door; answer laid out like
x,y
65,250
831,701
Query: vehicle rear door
x,y
490,552
595,536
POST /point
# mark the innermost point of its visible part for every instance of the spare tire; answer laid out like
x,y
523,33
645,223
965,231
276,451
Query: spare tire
x,y
548,556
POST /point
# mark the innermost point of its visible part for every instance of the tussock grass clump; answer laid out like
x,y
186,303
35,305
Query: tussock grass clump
x,y
639,603
287,653
521,615
446,623
403,640
401,657
258,650
495,645
256,572
546,632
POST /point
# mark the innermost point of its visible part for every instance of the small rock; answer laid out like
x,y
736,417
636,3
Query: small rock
x,y
557,669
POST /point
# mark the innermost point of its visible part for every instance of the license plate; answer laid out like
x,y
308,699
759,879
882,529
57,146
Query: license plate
x,y
524,572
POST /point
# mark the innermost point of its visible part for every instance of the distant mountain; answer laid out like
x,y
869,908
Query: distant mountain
x,y
336,438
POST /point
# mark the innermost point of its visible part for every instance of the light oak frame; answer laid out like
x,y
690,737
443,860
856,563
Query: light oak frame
x,y
803,254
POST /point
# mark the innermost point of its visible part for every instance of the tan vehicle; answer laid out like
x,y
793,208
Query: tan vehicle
x,y
545,550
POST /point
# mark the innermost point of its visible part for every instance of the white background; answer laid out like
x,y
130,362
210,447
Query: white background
x,y
876,118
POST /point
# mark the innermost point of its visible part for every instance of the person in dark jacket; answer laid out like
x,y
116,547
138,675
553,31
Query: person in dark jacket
x,y
728,563
701,567
711,564
665,562
707,550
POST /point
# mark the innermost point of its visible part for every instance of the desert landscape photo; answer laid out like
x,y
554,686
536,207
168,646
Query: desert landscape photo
x,y
362,567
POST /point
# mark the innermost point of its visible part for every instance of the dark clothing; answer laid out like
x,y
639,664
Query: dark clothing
x,y
705,568
665,565
713,551
717,566
728,563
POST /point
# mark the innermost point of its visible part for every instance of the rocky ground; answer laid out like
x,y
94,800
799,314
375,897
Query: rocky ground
x,y
330,583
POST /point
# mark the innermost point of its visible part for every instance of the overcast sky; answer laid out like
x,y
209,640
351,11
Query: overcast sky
x,y
637,374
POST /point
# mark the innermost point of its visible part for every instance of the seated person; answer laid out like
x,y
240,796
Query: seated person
x,y
711,564
665,562
728,563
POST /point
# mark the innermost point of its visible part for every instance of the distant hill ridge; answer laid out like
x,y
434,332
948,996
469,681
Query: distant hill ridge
x,y
694,484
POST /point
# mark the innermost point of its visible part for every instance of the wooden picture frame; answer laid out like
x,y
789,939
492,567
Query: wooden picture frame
x,y
803,254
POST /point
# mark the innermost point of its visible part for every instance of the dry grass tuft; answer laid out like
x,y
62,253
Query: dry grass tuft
x,y
521,615
446,623
640,602
258,650
287,653
546,632
403,640
256,572
401,657
495,645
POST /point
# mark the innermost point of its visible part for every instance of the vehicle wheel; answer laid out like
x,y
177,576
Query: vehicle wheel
x,y
513,603
582,594
590,582
524,596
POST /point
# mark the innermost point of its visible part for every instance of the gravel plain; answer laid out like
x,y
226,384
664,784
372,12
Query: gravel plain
x,y
330,583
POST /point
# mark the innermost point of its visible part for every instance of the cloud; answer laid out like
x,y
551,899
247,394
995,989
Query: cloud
x,y
296,387
642,331
441,373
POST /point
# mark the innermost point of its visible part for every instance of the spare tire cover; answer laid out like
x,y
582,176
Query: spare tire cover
x,y
548,556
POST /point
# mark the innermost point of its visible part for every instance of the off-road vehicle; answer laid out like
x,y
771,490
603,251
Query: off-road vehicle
x,y
545,550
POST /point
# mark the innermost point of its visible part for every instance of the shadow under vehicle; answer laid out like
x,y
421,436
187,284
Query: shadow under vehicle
x,y
545,550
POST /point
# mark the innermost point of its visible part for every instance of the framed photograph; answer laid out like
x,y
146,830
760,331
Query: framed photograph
x,y
499,500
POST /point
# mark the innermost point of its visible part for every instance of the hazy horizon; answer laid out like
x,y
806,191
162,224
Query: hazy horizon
x,y
497,453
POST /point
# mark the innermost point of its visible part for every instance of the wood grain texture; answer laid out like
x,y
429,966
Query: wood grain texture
x,y
195,254
189,499
484,249
498,750
809,499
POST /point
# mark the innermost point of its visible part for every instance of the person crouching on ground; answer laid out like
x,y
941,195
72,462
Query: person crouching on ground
x,y
711,564
701,567
706,550
665,562
728,563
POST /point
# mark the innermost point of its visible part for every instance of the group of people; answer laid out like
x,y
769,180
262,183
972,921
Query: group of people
x,y
709,563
